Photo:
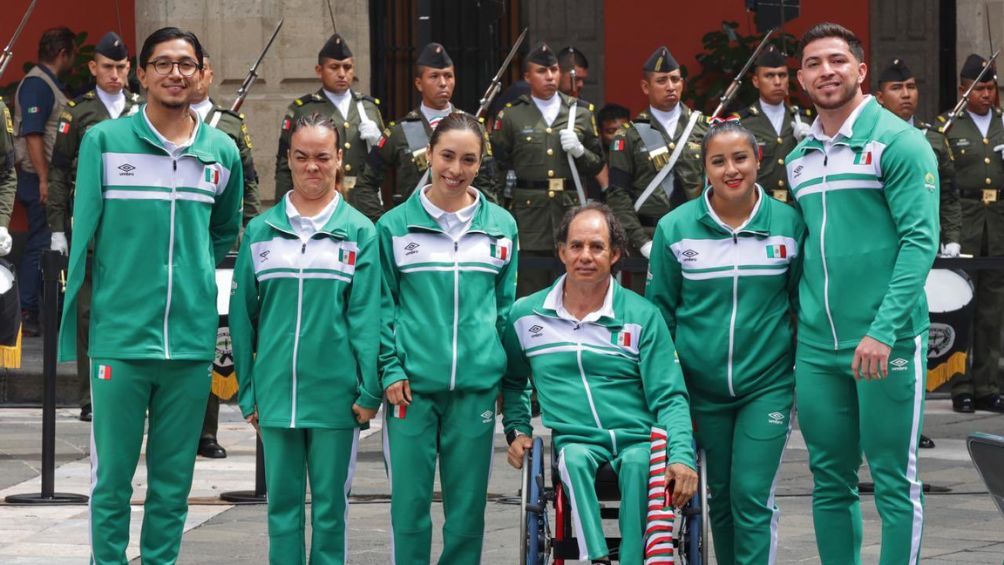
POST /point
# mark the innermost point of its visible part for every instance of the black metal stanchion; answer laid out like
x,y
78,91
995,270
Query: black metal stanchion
x,y
259,495
52,263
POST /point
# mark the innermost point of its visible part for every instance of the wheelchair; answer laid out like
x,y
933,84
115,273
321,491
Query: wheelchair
x,y
538,547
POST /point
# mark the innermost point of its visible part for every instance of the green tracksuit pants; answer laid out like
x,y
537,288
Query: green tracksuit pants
x,y
578,463
743,439
459,427
325,457
841,418
122,393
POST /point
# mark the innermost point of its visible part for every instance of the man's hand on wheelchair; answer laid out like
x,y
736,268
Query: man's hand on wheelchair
x,y
517,448
680,478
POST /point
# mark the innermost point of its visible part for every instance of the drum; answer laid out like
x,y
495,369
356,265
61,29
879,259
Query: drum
x,y
224,378
10,318
951,306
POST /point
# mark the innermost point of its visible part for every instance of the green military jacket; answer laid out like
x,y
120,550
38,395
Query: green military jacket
x,y
774,147
8,176
80,114
950,209
635,162
354,150
979,174
523,143
403,147
233,124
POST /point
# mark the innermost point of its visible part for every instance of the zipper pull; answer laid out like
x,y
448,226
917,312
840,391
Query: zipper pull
x,y
174,163
826,158
735,237
303,248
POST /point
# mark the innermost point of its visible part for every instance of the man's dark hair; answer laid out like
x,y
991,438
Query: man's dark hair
x,y
830,29
54,41
618,237
167,34
569,54
612,112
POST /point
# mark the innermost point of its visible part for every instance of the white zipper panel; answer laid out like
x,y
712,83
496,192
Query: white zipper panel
x,y
822,255
589,392
296,334
170,257
456,311
735,307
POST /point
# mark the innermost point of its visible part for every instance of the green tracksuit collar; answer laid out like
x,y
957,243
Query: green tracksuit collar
x,y
144,132
860,135
608,312
416,217
277,218
758,223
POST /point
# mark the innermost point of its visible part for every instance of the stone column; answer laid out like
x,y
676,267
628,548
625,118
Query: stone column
x,y
971,31
235,31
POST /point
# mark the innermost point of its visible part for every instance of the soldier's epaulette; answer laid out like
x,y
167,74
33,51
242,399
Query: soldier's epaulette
x,y
307,98
941,119
643,117
747,112
521,99
997,111
366,97
135,97
391,124
230,112
66,116
71,103
412,116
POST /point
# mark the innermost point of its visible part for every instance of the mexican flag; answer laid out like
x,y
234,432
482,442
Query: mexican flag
x,y
622,338
347,256
500,252
777,251
211,175
863,158
399,411
104,373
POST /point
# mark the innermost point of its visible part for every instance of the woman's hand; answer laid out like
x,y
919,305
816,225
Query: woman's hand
x,y
363,415
253,420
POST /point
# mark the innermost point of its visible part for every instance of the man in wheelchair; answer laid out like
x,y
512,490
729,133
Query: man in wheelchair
x,y
604,367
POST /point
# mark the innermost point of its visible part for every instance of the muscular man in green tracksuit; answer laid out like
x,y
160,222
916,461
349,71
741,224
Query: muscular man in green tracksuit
x,y
449,260
867,185
357,116
724,271
159,196
306,292
402,145
603,366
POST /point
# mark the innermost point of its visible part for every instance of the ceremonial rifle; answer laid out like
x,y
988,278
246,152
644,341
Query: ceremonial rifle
x,y
733,88
252,75
957,110
496,84
8,52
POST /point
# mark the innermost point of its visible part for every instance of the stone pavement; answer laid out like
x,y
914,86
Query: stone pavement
x,y
962,526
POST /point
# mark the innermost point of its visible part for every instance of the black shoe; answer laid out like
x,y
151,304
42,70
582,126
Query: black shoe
x,y
29,324
963,403
926,442
209,448
85,412
992,403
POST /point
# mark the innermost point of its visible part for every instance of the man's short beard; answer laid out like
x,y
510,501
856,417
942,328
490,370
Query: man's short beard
x,y
173,105
849,94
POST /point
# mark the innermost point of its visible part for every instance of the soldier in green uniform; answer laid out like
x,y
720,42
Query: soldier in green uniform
x,y
8,176
109,99
663,140
898,93
777,125
356,115
976,139
232,124
403,145
533,137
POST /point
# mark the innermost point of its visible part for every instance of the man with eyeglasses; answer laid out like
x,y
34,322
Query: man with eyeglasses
x,y
356,115
158,195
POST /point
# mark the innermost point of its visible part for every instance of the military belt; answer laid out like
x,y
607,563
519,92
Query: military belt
x,y
542,184
985,195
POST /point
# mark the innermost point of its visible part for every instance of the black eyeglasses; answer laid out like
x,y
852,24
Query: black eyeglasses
x,y
186,67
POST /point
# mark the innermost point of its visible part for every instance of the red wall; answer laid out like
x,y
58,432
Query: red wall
x,y
96,17
634,28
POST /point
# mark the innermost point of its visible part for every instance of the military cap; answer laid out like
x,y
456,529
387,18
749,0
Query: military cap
x,y
434,55
896,71
542,55
661,61
571,56
335,48
112,46
771,57
973,66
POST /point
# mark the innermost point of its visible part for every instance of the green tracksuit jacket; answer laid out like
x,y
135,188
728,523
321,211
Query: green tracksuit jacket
x,y
726,294
159,225
874,197
604,382
445,302
302,319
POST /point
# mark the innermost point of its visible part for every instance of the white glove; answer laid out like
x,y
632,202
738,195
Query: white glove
x,y
950,249
646,250
571,144
801,129
369,131
59,242
5,242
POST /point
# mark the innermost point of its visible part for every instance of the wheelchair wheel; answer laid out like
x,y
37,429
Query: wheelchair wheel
x,y
692,531
534,533
702,485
